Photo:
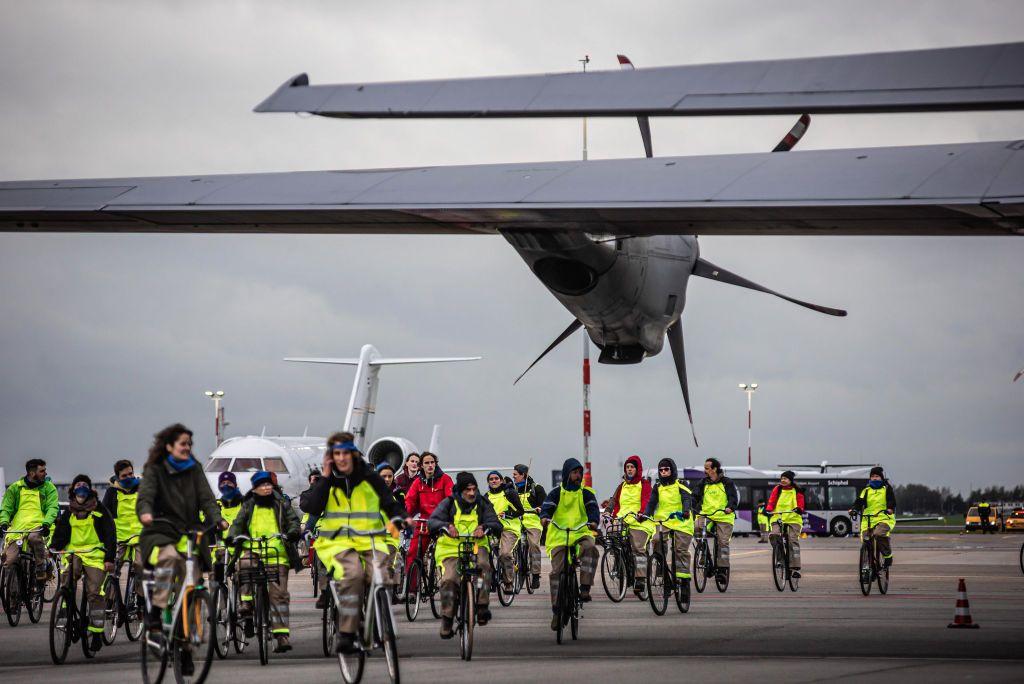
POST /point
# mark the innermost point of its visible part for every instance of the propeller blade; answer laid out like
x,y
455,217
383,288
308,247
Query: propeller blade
x,y
675,340
706,269
1018,375
573,327
645,122
794,135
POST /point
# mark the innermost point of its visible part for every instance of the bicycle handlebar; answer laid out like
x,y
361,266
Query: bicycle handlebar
x,y
708,515
76,552
569,529
193,534
380,532
243,537
38,529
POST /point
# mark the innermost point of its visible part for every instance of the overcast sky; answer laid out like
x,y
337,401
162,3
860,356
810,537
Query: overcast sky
x,y
104,339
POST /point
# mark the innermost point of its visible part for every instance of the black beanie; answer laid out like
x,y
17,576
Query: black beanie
x,y
790,474
463,480
877,470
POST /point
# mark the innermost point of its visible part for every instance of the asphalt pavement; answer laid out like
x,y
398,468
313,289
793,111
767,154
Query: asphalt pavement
x,y
825,631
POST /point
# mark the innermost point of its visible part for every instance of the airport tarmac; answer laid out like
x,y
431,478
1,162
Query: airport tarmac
x,y
826,631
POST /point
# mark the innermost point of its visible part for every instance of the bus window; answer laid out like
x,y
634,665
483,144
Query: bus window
x,y
247,465
744,494
218,465
814,497
275,465
841,498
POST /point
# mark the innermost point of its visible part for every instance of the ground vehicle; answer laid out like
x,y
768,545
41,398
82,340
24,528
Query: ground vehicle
x,y
189,634
421,580
376,629
618,564
567,604
19,586
871,568
259,577
705,554
828,496
781,553
972,521
661,574
69,619
1015,521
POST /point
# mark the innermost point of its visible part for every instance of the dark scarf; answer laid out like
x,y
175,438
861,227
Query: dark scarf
x,y
82,510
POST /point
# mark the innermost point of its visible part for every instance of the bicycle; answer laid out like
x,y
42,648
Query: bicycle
x,y
618,566
69,620
662,582
470,583
705,557
507,591
191,629
568,604
421,580
782,552
521,555
122,609
259,578
871,567
19,586
229,631
377,628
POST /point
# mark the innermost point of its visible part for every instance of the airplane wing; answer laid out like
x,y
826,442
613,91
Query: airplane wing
x,y
957,189
963,78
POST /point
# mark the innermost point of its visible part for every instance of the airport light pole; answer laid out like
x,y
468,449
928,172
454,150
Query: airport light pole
x,y
218,413
749,389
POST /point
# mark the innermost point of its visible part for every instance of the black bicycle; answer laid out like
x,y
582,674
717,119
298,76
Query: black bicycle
x,y
421,581
123,609
69,615
782,552
567,604
617,562
662,580
19,586
507,591
871,568
470,583
229,628
264,571
705,556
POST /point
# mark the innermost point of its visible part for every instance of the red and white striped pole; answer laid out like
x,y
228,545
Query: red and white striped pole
x,y
588,479
749,389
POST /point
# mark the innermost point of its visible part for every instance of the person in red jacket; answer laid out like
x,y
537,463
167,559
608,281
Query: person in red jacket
x,y
631,497
785,510
428,490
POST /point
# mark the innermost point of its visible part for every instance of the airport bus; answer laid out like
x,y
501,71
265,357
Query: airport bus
x,y
828,494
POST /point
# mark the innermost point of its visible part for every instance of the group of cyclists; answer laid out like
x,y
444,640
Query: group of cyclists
x,y
368,525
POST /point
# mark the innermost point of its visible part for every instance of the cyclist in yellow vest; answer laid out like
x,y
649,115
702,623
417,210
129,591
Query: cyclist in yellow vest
x,y
465,512
784,499
264,513
715,498
629,500
984,515
570,504
85,526
762,522
509,509
878,501
349,494
531,496
120,500
670,501
29,503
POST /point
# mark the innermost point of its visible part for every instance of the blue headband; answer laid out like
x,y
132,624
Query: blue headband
x,y
345,446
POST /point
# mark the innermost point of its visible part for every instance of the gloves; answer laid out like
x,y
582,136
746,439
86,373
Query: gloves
x,y
45,531
678,515
3,529
292,537
800,511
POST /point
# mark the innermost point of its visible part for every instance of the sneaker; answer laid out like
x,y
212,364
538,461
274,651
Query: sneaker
x,y
96,642
154,620
345,643
535,582
248,628
639,586
794,573
483,615
321,600
684,589
446,627
556,621
585,595
283,645
887,562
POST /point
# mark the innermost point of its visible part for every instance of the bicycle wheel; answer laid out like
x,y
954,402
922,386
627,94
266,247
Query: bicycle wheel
x,y
314,573
413,590
384,629
506,592
431,586
60,634
12,590
561,604
83,621
134,621
524,567
573,604
53,575
35,600
328,626
352,665
221,621
112,610
468,612
700,579
154,658
722,580
238,639
682,595
1022,558
883,575
794,582
659,585
194,631
398,589
613,574
864,569
779,569
260,612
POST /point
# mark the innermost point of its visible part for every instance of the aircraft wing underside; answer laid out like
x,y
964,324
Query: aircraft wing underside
x,y
958,189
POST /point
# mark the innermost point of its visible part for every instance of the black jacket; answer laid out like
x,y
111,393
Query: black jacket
x,y
732,495
890,499
110,497
536,494
103,523
444,514
314,499
287,524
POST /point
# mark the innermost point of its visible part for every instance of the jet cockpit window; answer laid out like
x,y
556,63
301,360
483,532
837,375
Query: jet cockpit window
x,y
247,465
275,465
218,465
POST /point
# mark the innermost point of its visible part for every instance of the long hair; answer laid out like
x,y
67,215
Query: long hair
x,y
163,439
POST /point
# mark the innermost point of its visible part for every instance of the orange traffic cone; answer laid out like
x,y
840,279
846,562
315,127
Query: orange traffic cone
x,y
962,617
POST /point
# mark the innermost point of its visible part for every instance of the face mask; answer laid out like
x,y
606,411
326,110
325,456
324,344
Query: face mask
x,y
82,492
876,484
129,482
228,491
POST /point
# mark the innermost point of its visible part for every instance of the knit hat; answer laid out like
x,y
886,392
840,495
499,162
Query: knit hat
x,y
260,477
877,470
384,465
80,478
463,480
790,474
227,476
